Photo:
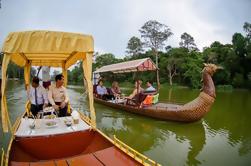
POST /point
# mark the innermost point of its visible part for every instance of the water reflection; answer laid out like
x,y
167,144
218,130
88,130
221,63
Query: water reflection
x,y
223,137
158,139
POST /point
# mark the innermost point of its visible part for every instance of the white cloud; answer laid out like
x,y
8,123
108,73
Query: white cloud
x,y
113,22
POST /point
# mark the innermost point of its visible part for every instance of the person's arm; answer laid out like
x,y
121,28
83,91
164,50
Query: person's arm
x,y
113,91
133,94
45,96
98,90
50,97
119,91
29,96
105,90
66,100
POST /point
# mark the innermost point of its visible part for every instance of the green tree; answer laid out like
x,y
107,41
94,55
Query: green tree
x,y
187,41
247,29
134,46
191,68
55,72
225,56
105,59
172,61
155,35
239,44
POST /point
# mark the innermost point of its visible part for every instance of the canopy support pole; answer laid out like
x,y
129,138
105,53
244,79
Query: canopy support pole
x,y
4,108
157,79
87,68
27,70
65,74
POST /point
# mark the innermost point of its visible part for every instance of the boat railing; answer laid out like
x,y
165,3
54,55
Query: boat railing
x,y
85,118
122,146
2,157
133,153
179,102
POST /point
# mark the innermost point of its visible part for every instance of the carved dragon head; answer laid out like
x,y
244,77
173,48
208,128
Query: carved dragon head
x,y
211,68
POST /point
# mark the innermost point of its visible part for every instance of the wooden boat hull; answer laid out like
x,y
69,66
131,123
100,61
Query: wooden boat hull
x,y
73,148
192,111
85,147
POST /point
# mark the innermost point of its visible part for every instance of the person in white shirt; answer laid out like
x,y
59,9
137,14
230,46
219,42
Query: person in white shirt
x,y
37,96
58,97
46,77
149,88
102,91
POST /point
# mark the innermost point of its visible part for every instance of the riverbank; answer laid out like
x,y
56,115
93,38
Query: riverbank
x,y
221,88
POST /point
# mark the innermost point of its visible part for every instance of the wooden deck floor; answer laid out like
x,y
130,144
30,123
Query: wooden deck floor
x,y
164,106
111,156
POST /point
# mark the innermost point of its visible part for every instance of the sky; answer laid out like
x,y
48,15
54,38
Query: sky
x,y
113,22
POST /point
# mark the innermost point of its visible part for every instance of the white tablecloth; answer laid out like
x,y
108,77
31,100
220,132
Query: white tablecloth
x,y
41,129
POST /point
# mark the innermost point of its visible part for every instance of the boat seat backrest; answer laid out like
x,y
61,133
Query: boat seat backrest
x,y
140,97
95,89
109,91
148,100
155,98
151,92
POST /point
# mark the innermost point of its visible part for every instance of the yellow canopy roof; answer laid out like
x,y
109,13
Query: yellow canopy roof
x,y
145,64
47,48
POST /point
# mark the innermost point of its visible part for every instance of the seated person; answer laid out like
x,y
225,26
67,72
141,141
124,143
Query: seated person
x,y
115,89
102,91
37,95
58,97
137,89
149,88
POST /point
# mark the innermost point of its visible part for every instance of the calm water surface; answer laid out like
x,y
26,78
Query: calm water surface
x,y
223,137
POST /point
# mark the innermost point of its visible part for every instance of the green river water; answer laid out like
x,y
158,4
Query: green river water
x,y
222,137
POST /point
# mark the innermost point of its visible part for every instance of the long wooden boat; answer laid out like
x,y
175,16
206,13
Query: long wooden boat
x,y
189,112
51,142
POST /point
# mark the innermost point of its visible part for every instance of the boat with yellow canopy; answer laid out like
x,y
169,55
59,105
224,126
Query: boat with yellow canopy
x,y
80,144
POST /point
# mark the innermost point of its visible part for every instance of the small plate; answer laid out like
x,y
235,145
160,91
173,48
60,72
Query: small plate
x,y
68,123
51,124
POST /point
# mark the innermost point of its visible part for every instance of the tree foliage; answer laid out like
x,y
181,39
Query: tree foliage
x,y
183,65
187,41
134,46
247,29
155,35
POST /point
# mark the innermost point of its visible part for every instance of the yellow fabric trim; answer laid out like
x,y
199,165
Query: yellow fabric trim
x,y
74,58
47,63
47,48
65,74
47,42
4,109
27,70
87,68
18,59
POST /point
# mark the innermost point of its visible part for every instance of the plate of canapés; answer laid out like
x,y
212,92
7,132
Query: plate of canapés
x,y
51,124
